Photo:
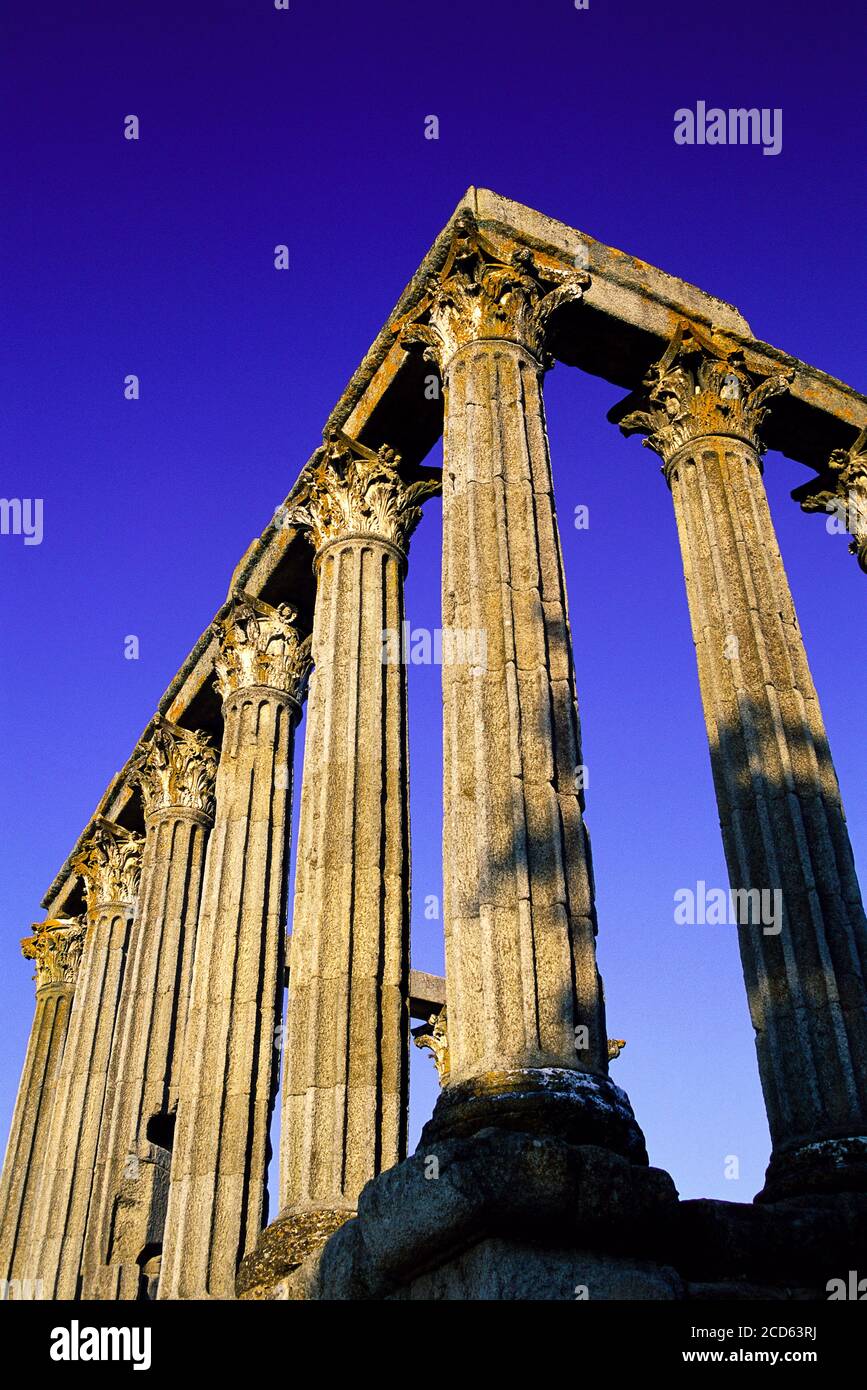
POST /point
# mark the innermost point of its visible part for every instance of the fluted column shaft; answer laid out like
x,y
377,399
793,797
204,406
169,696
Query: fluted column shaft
x,y
65,1190
783,826
57,948
346,1083
228,1081
519,913
526,1016
780,810
131,1178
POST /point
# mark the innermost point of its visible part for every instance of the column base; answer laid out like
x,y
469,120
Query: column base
x,y
283,1245
826,1166
500,1215
576,1107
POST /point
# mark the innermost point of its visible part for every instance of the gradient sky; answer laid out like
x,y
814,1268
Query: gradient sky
x,y
155,257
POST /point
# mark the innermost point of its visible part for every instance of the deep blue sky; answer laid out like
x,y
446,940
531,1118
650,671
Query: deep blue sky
x,y
261,127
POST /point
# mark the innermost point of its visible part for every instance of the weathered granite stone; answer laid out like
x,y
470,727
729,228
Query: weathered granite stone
x,y
451,1196
346,1076
794,1243
228,1075
131,1176
545,1208
783,826
284,1245
509,1270
520,921
56,948
110,864
734,1292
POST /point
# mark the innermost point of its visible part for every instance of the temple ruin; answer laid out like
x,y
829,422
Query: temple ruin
x,y
138,1155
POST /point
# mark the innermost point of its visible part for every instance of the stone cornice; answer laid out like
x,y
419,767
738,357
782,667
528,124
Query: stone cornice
x,y
351,490
260,645
56,947
479,295
697,389
175,768
110,864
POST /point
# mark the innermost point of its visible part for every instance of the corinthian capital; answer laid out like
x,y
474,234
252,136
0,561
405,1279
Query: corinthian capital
x,y
261,645
841,490
351,490
56,948
479,295
110,864
434,1036
176,768
697,389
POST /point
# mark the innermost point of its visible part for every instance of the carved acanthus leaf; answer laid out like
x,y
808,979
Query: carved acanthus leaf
x,y
433,1035
699,389
846,497
479,295
56,947
261,645
110,864
352,490
176,768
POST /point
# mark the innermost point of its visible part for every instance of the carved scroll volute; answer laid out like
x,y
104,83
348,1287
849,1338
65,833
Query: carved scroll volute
x,y
261,645
698,389
55,947
175,768
478,295
110,864
350,490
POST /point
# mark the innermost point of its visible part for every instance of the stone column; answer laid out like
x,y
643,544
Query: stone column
x,y
228,1079
345,1089
175,770
110,863
527,1038
801,924
841,491
56,949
